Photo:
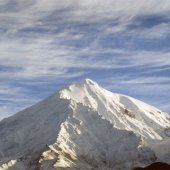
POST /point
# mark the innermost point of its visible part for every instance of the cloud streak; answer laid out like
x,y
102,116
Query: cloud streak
x,y
43,41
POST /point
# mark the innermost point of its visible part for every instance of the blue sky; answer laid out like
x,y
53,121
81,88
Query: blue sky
x,y
121,44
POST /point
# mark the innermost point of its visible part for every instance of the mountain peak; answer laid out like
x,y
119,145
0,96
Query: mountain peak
x,y
85,121
79,90
87,82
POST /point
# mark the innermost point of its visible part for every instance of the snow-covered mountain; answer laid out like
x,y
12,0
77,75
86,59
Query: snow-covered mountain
x,y
85,127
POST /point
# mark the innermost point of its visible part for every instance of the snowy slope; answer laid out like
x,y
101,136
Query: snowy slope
x,y
84,126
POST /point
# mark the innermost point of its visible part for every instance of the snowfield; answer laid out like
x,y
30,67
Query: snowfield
x,y
85,127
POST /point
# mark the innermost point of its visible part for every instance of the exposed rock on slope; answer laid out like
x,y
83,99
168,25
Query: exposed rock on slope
x,y
156,166
85,127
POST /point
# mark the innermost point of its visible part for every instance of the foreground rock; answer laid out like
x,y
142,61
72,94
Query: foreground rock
x,y
156,166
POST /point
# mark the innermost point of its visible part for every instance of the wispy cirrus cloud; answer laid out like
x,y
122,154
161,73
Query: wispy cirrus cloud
x,y
151,89
13,99
44,41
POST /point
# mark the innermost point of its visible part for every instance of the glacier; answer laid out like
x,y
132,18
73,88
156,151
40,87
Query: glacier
x,y
85,127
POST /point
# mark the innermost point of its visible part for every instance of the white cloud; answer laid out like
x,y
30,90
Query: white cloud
x,y
13,99
156,32
43,39
143,80
150,89
31,51
107,8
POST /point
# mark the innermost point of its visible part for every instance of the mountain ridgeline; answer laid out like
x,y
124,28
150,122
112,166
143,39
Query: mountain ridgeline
x,y
85,127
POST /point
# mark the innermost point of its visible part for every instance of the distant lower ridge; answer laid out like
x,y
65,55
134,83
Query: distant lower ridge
x,y
156,166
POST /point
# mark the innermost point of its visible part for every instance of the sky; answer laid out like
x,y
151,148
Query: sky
x,y
123,45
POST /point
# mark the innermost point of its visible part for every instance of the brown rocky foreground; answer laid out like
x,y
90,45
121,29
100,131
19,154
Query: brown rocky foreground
x,y
156,166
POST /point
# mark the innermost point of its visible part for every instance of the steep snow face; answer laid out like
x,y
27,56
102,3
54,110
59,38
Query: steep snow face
x,y
25,135
122,111
85,127
86,141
